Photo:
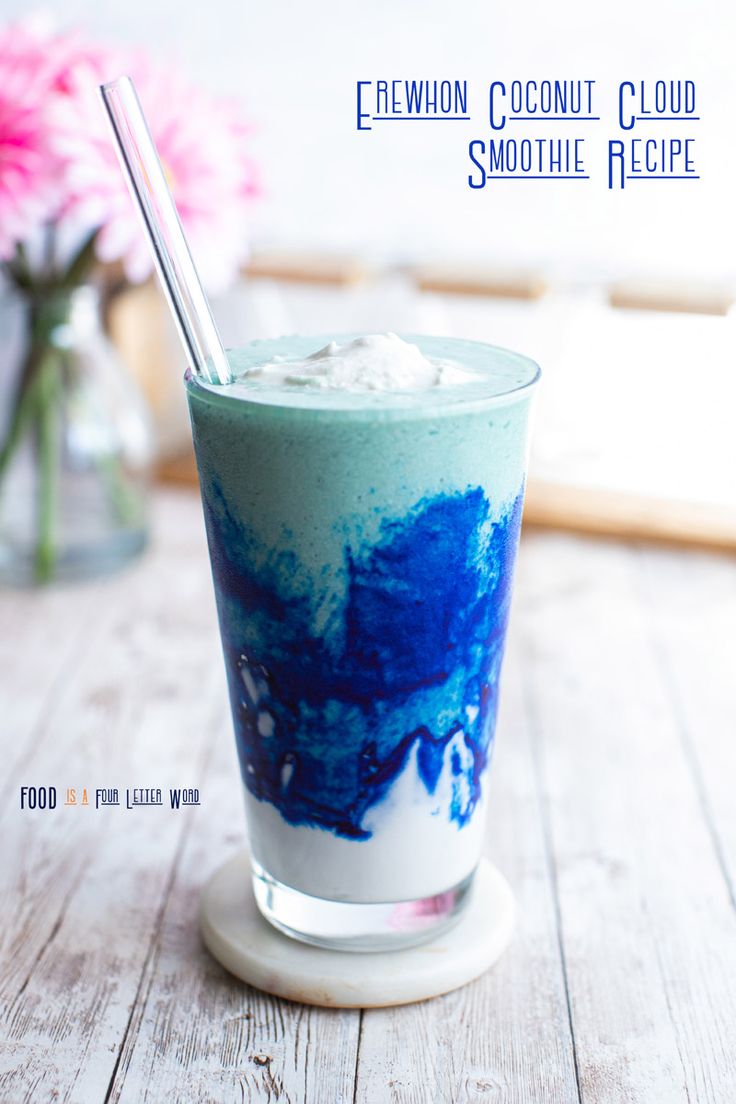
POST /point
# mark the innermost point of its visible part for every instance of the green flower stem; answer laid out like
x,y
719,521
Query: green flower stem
x,y
80,266
36,404
125,500
22,415
47,438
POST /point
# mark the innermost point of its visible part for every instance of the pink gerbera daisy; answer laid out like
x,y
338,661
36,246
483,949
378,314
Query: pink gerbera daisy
x,y
39,70
58,165
202,142
28,167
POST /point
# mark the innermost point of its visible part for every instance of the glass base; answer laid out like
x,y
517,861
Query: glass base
x,y
342,926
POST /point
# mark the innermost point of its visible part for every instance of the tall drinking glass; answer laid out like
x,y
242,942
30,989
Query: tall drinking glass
x,y
362,550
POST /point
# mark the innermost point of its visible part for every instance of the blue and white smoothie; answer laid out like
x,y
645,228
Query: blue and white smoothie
x,y
362,499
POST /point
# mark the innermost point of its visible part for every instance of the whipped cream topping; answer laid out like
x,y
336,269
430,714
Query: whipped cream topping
x,y
377,362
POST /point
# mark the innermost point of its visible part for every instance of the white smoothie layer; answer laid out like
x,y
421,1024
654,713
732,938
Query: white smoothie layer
x,y
415,850
376,362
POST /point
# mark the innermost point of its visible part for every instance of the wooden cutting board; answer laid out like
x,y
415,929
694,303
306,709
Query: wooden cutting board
x,y
628,516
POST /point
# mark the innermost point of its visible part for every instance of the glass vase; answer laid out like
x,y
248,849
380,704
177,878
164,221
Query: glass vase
x,y
75,450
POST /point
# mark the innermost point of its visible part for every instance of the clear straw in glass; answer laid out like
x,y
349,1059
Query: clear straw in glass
x,y
179,278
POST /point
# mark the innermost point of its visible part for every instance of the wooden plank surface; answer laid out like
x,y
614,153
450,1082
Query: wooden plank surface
x,y
198,1034
39,647
611,813
690,604
82,887
648,929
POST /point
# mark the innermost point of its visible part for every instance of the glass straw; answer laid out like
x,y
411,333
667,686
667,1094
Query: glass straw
x,y
177,272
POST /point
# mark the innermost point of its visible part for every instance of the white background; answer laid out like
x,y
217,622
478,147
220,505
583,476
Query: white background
x,y
401,191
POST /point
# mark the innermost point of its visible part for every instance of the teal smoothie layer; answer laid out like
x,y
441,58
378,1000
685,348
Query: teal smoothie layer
x,y
362,549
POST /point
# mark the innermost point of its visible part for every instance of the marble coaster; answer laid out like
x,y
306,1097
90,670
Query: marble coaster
x,y
245,944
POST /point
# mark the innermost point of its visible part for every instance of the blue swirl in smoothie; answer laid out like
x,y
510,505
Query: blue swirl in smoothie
x,y
409,665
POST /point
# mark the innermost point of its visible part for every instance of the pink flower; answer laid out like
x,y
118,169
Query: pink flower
x,y
28,167
58,164
202,142
39,69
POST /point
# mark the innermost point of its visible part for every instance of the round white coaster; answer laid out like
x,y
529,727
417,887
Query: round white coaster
x,y
245,944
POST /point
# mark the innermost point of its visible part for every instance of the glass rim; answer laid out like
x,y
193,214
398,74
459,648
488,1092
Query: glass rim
x,y
440,407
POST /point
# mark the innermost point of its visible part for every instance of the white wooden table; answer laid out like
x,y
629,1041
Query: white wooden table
x,y
613,815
